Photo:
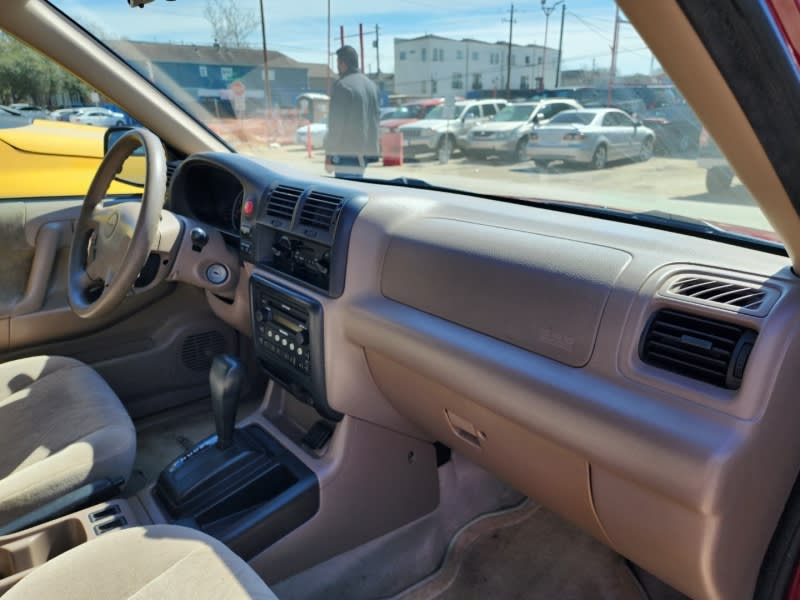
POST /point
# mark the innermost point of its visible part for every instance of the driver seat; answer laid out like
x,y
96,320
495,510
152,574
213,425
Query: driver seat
x,y
61,427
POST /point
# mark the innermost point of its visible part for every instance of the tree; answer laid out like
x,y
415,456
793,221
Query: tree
x,y
231,24
27,76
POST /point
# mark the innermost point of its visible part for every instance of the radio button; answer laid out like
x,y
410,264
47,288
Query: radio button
x,y
299,352
284,341
291,346
301,338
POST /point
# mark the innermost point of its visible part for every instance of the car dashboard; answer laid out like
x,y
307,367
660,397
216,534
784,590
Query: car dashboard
x,y
638,382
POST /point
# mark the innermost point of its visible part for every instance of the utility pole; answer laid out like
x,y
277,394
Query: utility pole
x,y
361,43
267,92
614,48
377,49
560,45
328,73
547,10
508,62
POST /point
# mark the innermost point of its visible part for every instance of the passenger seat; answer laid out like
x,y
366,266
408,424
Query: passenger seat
x,y
151,562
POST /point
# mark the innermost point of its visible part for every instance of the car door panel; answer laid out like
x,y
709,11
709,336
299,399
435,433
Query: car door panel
x,y
169,324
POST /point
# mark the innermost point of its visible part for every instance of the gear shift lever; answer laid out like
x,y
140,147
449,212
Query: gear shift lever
x,y
226,382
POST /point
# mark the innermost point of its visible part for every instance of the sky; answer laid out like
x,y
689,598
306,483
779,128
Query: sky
x,y
299,28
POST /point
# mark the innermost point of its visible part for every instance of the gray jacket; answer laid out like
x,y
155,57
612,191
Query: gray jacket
x,y
353,118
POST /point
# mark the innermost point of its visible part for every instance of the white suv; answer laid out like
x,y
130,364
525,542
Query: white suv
x,y
444,128
507,135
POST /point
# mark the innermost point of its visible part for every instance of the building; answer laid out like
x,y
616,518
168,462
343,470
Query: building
x,y
205,73
432,65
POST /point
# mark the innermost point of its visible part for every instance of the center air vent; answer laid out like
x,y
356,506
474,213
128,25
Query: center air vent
x,y
320,210
698,347
282,201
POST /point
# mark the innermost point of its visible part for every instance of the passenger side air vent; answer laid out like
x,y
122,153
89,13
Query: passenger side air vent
x,y
698,347
321,210
719,291
282,201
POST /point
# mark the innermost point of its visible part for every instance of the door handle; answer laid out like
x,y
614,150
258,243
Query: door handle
x,y
48,241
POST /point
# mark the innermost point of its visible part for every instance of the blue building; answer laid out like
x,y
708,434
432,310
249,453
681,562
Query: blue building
x,y
206,73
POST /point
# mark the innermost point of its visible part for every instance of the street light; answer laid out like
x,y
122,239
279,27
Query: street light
x,y
547,10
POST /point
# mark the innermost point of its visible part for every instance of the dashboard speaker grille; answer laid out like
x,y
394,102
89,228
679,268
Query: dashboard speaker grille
x,y
320,210
719,291
199,349
697,347
282,201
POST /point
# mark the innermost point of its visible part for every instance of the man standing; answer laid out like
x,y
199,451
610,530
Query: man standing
x,y
353,119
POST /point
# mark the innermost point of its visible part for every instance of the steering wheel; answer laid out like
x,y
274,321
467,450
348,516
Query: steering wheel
x,y
111,244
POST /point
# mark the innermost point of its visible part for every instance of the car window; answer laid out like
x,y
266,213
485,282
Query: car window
x,y
473,112
514,112
417,52
610,120
32,147
576,117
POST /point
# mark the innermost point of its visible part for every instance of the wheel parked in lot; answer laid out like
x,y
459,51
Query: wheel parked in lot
x,y
520,153
646,151
600,157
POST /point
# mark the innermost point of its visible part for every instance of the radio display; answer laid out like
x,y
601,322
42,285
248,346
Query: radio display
x,y
282,320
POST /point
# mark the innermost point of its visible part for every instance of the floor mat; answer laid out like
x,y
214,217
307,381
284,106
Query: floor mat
x,y
529,553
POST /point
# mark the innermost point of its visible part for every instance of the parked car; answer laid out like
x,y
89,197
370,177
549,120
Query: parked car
x,y
591,136
30,110
318,133
588,97
63,114
676,126
101,117
624,98
408,113
444,127
719,174
507,134
50,158
657,95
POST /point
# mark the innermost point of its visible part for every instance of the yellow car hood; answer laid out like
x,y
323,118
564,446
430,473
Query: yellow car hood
x,y
56,137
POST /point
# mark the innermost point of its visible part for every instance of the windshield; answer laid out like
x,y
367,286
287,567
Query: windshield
x,y
254,89
444,112
520,112
406,112
578,118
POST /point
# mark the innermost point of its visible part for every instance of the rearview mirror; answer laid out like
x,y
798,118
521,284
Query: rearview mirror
x,y
134,169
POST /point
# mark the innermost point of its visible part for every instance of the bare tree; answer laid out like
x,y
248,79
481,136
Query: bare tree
x,y
230,23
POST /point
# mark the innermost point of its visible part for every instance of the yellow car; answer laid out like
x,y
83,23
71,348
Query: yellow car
x,y
43,158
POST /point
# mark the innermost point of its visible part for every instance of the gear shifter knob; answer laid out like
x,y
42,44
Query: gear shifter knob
x,y
226,383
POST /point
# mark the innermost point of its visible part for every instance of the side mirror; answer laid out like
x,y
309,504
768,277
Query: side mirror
x,y
134,170
536,119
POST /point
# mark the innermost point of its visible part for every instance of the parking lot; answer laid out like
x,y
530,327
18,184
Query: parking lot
x,y
662,183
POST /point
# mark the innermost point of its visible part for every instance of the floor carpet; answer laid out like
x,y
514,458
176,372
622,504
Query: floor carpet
x,y
527,552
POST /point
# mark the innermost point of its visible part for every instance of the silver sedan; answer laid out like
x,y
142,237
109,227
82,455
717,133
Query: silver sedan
x,y
591,136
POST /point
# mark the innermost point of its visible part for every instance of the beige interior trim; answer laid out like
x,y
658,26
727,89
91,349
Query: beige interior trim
x,y
665,29
48,242
43,27
22,552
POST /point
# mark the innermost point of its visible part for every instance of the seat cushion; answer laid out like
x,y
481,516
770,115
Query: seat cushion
x,y
61,426
157,561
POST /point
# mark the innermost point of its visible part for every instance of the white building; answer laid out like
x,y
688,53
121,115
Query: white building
x,y
432,65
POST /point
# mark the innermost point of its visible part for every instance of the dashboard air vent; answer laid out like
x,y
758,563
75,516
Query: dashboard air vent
x,y
282,201
321,210
698,347
172,166
719,291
